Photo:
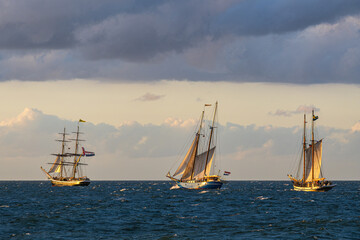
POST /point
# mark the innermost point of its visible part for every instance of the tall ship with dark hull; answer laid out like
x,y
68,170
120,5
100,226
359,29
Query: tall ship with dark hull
x,y
67,169
198,168
309,176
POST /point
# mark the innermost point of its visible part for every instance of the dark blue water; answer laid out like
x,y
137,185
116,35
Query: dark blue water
x,y
149,210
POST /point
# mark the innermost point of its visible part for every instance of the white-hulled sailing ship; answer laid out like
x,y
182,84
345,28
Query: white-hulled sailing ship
x,y
67,172
196,171
312,177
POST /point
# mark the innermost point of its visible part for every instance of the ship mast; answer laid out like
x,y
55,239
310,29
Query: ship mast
x,y
304,148
211,133
76,149
62,154
312,147
197,143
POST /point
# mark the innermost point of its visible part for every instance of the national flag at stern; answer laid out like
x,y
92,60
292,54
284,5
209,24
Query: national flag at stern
x,y
315,118
80,120
87,153
226,173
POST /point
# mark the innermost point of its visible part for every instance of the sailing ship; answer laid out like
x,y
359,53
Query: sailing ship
x,y
65,172
312,177
195,170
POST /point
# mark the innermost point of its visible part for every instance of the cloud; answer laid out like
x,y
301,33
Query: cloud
x,y
356,127
176,122
244,41
300,110
149,97
136,151
27,115
258,17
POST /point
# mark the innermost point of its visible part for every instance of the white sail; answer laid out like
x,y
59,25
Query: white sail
x,y
186,160
317,161
188,172
210,162
56,165
200,161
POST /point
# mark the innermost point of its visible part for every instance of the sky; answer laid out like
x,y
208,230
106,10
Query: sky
x,y
140,72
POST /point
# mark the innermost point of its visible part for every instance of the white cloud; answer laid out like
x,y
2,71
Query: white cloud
x,y
27,115
177,122
136,151
356,127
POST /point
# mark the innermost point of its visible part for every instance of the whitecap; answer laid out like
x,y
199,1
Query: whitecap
x,y
121,199
174,187
124,189
262,198
4,206
203,192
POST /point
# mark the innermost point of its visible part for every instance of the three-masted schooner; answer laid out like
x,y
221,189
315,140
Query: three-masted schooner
x,y
195,170
312,178
65,172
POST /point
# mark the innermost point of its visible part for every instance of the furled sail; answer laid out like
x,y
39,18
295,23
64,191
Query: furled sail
x,y
56,165
200,161
317,161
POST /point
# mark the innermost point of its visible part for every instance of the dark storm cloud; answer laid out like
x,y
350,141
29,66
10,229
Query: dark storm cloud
x,y
260,17
151,40
49,24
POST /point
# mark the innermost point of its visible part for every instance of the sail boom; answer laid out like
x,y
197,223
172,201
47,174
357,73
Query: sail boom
x,y
67,163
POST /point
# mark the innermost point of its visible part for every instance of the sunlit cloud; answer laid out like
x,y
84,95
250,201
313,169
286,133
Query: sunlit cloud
x,y
27,115
356,127
176,122
251,152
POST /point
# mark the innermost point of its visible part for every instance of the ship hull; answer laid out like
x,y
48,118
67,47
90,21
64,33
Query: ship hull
x,y
314,188
200,185
75,182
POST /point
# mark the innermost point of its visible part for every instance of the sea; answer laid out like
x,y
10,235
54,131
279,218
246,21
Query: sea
x,y
150,210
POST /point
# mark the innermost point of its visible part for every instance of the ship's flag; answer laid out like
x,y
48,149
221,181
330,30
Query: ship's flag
x,y
315,118
207,105
80,120
226,173
87,153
